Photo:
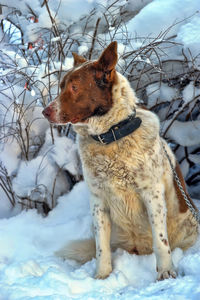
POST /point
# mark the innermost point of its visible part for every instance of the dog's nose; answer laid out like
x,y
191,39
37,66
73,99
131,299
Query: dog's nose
x,y
47,112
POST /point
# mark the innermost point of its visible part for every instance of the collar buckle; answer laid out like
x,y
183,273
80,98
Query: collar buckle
x,y
101,139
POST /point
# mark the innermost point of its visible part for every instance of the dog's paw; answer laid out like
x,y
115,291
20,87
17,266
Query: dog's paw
x,y
103,274
166,274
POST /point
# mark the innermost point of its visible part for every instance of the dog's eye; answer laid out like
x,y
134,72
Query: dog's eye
x,y
62,85
74,88
105,78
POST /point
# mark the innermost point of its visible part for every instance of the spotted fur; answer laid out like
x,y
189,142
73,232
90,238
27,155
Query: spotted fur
x,y
134,200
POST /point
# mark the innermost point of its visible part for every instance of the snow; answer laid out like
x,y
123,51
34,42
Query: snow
x,y
190,92
33,181
30,270
9,155
185,133
82,49
5,205
63,152
161,19
159,15
70,160
158,93
189,35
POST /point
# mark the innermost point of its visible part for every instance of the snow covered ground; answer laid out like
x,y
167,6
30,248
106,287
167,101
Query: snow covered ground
x,y
28,267
30,270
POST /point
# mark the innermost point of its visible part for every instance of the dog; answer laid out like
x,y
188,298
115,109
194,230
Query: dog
x,y
135,202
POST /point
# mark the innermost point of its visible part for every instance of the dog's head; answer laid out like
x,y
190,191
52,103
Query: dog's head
x,y
86,90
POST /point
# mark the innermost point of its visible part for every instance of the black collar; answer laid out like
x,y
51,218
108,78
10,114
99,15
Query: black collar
x,y
119,130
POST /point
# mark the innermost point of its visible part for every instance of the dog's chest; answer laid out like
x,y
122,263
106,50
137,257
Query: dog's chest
x,y
117,167
112,178
104,167
116,175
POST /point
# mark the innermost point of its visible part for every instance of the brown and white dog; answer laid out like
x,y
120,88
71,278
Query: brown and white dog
x,y
135,203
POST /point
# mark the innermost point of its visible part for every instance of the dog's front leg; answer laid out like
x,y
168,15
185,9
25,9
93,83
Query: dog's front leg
x,y
102,229
156,208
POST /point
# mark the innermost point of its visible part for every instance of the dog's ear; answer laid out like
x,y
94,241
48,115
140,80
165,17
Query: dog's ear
x,y
108,58
78,59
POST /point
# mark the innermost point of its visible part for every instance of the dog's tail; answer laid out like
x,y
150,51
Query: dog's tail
x,y
80,250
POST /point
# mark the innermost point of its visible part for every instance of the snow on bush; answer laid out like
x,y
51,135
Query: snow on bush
x,y
158,52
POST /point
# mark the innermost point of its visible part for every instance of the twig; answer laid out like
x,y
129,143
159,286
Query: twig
x,y
94,37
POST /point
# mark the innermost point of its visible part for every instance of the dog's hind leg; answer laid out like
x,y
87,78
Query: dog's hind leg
x,y
156,209
102,230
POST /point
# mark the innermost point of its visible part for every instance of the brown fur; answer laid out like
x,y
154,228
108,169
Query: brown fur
x,y
182,204
85,92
